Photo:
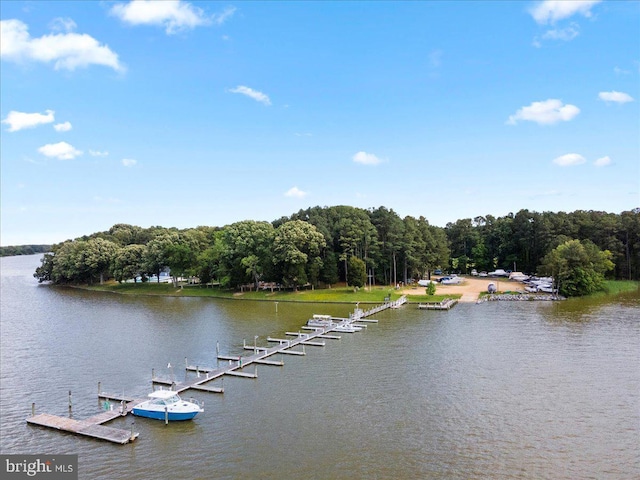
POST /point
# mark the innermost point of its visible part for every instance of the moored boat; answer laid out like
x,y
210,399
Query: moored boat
x,y
320,321
347,328
167,405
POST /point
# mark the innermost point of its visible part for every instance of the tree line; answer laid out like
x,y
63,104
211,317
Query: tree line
x,y
326,245
13,250
522,241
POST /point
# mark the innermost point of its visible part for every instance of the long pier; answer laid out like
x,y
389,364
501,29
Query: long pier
x,y
94,426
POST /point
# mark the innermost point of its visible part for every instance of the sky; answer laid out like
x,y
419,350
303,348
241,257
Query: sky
x,y
188,113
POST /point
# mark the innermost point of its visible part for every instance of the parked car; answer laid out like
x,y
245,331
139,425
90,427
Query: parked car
x,y
437,271
483,274
474,272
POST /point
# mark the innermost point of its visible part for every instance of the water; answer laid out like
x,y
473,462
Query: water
x,y
518,390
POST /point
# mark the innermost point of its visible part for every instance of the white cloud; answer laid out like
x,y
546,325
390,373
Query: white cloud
x,y
226,14
550,11
545,113
66,50
63,25
565,34
251,93
61,151
63,127
129,162
365,158
96,153
19,120
569,160
295,192
617,97
602,162
173,15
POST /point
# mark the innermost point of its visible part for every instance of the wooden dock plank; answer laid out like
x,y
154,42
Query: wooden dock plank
x,y
208,389
82,427
293,352
235,373
273,363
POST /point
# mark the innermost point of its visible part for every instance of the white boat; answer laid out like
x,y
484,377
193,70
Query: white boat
x,y
322,321
167,405
546,288
498,272
347,328
518,276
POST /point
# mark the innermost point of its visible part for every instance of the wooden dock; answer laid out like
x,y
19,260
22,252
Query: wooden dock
x,y
83,427
94,426
445,304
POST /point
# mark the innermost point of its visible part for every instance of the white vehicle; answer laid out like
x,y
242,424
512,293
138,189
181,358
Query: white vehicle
x,y
451,281
425,283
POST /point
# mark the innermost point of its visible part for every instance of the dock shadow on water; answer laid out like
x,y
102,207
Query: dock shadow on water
x,y
495,390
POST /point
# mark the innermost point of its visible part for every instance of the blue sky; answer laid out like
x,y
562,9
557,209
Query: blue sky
x,y
182,114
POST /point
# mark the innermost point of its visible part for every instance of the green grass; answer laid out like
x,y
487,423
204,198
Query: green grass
x,y
613,287
338,294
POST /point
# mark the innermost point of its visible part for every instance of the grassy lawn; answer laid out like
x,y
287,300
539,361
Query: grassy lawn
x,y
613,287
338,294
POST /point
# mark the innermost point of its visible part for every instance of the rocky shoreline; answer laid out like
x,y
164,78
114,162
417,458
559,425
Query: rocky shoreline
x,y
520,297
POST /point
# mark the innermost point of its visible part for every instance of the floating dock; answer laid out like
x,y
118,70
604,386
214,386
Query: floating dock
x,y
445,304
94,427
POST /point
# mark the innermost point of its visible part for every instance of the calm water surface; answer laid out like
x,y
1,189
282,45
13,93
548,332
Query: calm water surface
x,y
497,390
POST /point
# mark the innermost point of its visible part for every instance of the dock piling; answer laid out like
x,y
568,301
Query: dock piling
x,y
33,409
70,403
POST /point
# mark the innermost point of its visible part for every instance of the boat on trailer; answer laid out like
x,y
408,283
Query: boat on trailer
x,y
167,405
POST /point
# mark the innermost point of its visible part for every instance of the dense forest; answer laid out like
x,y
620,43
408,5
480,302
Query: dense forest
x,y
326,245
23,250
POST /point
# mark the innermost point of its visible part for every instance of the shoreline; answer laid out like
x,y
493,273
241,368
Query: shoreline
x,y
471,290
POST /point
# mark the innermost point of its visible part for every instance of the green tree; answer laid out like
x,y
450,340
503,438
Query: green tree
x,y
98,258
156,257
246,251
129,262
296,246
329,270
390,230
577,267
357,272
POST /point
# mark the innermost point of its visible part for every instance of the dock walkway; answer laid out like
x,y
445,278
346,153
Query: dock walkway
x,y
94,426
